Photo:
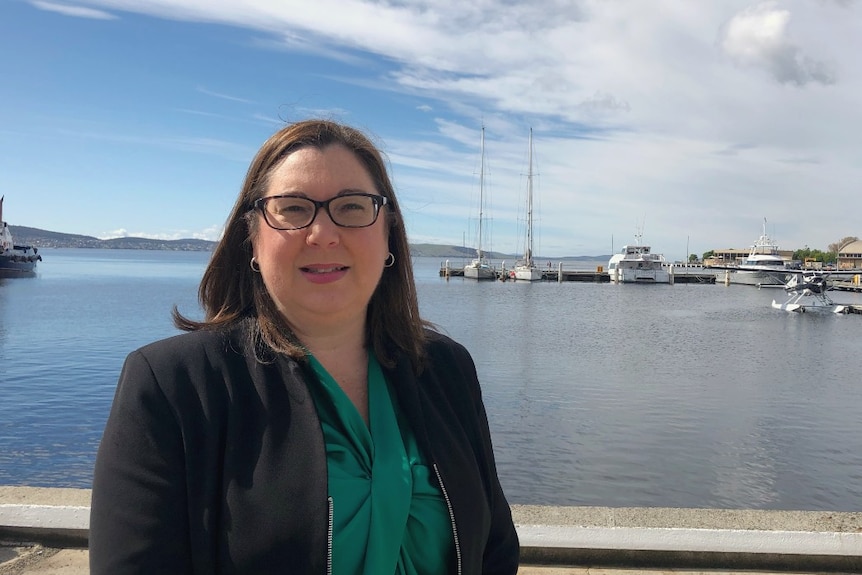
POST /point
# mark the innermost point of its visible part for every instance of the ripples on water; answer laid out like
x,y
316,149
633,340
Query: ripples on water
x,y
597,394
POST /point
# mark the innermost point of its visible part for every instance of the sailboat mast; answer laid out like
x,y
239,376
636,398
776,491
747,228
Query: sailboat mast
x,y
528,253
481,192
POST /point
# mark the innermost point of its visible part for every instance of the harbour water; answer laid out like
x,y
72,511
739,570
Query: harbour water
x,y
597,394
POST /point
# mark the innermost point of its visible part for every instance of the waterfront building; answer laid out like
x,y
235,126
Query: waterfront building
x,y
850,256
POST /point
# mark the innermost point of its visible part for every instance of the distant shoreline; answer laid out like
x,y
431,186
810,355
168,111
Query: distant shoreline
x,y
47,239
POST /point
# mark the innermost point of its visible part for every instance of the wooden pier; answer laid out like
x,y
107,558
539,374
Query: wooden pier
x,y
853,285
681,275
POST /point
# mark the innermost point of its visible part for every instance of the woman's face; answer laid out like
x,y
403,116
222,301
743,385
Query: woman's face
x,y
322,275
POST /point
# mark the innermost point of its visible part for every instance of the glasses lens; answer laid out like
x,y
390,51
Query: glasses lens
x,y
353,211
289,212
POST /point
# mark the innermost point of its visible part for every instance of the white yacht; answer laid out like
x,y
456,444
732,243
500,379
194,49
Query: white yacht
x,y
526,268
764,265
637,264
480,268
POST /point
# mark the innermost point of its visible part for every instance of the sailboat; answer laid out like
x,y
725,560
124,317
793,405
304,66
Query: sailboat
x,y
480,268
526,268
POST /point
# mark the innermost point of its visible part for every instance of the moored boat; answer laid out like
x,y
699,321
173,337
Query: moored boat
x,y
764,266
637,264
526,268
15,260
480,268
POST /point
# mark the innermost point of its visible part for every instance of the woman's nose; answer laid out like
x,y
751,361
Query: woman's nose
x,y
322,230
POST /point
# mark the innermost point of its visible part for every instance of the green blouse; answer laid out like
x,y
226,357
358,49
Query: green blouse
x,y
388,516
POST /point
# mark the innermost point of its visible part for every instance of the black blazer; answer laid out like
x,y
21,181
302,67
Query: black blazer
x,y
212,462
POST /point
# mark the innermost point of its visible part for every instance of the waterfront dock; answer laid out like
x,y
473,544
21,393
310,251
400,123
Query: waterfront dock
x,y
681,274
853,285
44,532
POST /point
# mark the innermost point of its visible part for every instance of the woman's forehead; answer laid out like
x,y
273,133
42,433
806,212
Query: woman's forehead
x,y
334,165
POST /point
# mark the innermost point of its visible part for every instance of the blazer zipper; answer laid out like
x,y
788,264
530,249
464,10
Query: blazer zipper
x,y
331,506
451,518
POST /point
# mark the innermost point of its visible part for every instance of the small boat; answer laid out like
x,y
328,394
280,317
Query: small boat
x,y
764,266
526,268
15,260
637,264
480,268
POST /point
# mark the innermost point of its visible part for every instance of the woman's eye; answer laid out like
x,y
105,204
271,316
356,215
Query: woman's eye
x,y
352,206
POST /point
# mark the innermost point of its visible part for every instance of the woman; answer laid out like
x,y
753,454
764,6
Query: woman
x,y
312,422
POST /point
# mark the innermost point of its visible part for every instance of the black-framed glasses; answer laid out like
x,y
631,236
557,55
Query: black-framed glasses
x,y
289,212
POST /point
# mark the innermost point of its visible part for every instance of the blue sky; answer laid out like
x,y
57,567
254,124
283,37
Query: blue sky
x,y
691,121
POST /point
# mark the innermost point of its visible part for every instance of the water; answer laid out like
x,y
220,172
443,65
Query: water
x,y
597,394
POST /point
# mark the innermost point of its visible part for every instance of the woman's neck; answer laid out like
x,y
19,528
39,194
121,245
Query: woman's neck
x,y
344,355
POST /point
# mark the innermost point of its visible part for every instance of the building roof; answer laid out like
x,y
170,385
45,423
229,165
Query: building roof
x,y
852,248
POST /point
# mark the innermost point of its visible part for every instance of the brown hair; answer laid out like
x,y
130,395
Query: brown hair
x,y
231,293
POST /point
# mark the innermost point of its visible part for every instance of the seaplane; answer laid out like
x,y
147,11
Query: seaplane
x,y
807,289
808,292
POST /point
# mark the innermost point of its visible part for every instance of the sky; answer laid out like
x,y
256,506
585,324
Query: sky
x,y
689,125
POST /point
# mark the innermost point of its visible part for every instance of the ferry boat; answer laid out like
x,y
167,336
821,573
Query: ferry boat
x,y
15,260
637,264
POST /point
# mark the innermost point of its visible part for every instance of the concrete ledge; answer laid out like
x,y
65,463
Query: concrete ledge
x,y
51,525
709,540
699,562
691,548
48,516
571,536
690,538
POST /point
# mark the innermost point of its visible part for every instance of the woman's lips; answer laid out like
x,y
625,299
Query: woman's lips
x,y
323,273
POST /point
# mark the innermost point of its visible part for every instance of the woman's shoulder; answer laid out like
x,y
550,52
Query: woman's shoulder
x,y
444,354
438,343
184,341
198,363
186,347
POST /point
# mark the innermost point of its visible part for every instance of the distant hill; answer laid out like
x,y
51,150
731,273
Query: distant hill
x,y
461,252
444,251
47,239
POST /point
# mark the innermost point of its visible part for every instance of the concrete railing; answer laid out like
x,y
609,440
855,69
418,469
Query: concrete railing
x,y
691,538
590,536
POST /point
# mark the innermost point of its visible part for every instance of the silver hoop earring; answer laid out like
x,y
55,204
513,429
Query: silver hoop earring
x,y
255,267
390,260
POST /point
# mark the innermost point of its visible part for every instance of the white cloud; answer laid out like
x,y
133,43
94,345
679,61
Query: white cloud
x,y
213,233
700,118
75,11
221,96
758,36
120,233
